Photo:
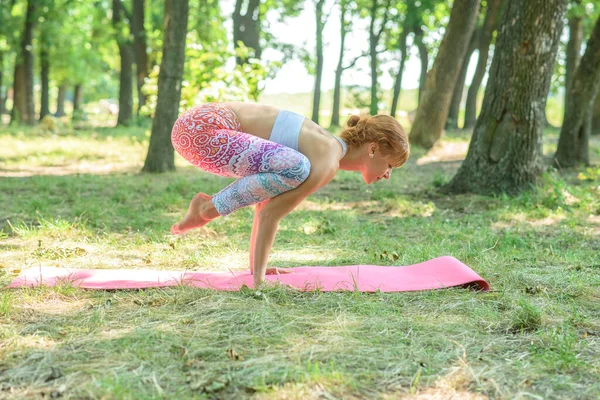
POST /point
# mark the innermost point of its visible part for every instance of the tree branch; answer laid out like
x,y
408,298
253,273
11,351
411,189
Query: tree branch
x,y
385,20
354,61
365,54
238,9
252,6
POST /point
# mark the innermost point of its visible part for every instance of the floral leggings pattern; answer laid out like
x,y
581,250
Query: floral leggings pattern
x,y
210,137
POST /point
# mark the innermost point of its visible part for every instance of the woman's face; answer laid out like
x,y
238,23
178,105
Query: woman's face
x,y
376,167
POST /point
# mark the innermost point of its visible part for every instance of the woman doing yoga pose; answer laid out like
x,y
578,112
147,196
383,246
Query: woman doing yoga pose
x,y
279,158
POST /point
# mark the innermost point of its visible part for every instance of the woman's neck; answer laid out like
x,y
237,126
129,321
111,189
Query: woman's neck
x,y
352,161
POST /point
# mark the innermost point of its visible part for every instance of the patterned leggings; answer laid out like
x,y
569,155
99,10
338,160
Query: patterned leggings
x,y
210,138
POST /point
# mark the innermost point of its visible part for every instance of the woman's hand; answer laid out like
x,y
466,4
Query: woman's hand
x,y
277,271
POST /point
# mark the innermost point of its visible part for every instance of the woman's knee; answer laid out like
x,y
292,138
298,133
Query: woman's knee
x,y
300,169
304,167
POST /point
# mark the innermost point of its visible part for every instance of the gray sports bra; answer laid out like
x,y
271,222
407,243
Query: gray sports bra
x,y
286,130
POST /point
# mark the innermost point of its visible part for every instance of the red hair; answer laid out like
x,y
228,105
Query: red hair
x,y
381,129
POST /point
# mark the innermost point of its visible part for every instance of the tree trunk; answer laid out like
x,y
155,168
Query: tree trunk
x,y
505,153
398,82
27,51
574,134
141,57
161,156
596,117
125,116
60,100
490,24
335,113
4,93
433,110
573,56
452,121
44,77
374,107
78,102
246,27
374,37
424,57
319,70
24,103
19,103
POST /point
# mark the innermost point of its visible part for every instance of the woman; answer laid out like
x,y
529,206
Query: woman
x,y
279,158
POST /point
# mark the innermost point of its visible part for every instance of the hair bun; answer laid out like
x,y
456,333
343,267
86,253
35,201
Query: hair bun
x,y
353,120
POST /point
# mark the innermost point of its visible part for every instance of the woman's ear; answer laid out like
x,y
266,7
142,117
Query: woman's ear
x,y
372,147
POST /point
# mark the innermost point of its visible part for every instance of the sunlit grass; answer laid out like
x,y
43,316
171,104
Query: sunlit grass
x,y
536,332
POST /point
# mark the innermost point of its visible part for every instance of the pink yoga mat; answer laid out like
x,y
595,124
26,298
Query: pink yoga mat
x,y
438,273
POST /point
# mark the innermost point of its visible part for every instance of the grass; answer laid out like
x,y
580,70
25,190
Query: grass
x,y
77,200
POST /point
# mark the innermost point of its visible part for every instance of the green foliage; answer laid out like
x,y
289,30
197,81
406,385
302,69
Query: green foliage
x,y
11,24
80,43
432,16
590,174
283,8
358,97
589,12
207,77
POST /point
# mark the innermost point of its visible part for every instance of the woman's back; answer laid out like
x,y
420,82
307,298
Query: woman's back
x,y
313,141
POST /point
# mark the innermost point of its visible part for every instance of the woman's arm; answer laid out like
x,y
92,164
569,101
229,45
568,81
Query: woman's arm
x,y
255,223
267,217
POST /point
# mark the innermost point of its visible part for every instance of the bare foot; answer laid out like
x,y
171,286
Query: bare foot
x,y
198,214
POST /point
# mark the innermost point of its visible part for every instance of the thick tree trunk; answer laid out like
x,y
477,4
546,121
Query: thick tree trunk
x,y
24,103
573,56
161,156
596,117
583,153
319,70
490,24
125,116
505,153
433,110
452,121
44,77
246,27
424,57
78,102
398,81
335,113
60,100
141,57
575,132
